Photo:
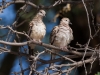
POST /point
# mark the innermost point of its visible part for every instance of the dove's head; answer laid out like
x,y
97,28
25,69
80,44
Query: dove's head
x,y
65,21
41,13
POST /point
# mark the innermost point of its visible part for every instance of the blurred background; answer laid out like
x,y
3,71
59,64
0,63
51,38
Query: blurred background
x,y
10,63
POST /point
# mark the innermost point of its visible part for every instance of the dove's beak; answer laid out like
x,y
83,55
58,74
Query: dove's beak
x,y
44,15
70,23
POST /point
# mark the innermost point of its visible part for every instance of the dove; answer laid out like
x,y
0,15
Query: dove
x,y
61,36
37,29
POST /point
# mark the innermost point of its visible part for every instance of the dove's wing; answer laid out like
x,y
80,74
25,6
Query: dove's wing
x,y
53,34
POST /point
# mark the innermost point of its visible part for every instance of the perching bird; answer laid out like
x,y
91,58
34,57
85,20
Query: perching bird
x,y
61,36
37,29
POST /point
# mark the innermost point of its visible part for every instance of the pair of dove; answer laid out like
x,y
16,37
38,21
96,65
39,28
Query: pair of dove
x,y
61,35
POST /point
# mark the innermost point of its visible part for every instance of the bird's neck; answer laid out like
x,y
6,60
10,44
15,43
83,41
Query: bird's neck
x,y
63,24
39,17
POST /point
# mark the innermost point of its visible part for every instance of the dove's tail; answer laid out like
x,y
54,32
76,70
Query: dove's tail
x,y
31,53
53,56
31,49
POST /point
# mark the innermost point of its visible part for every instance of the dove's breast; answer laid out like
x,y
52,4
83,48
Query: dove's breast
x,y
62,37
38,31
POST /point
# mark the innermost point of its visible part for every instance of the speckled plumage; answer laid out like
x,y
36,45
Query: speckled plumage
x,y
61,35
38,29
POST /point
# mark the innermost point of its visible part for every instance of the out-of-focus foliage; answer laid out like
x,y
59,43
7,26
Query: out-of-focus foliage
x,y
98,73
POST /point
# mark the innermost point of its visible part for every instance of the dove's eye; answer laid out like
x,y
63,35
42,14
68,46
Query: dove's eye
x,y
40,12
